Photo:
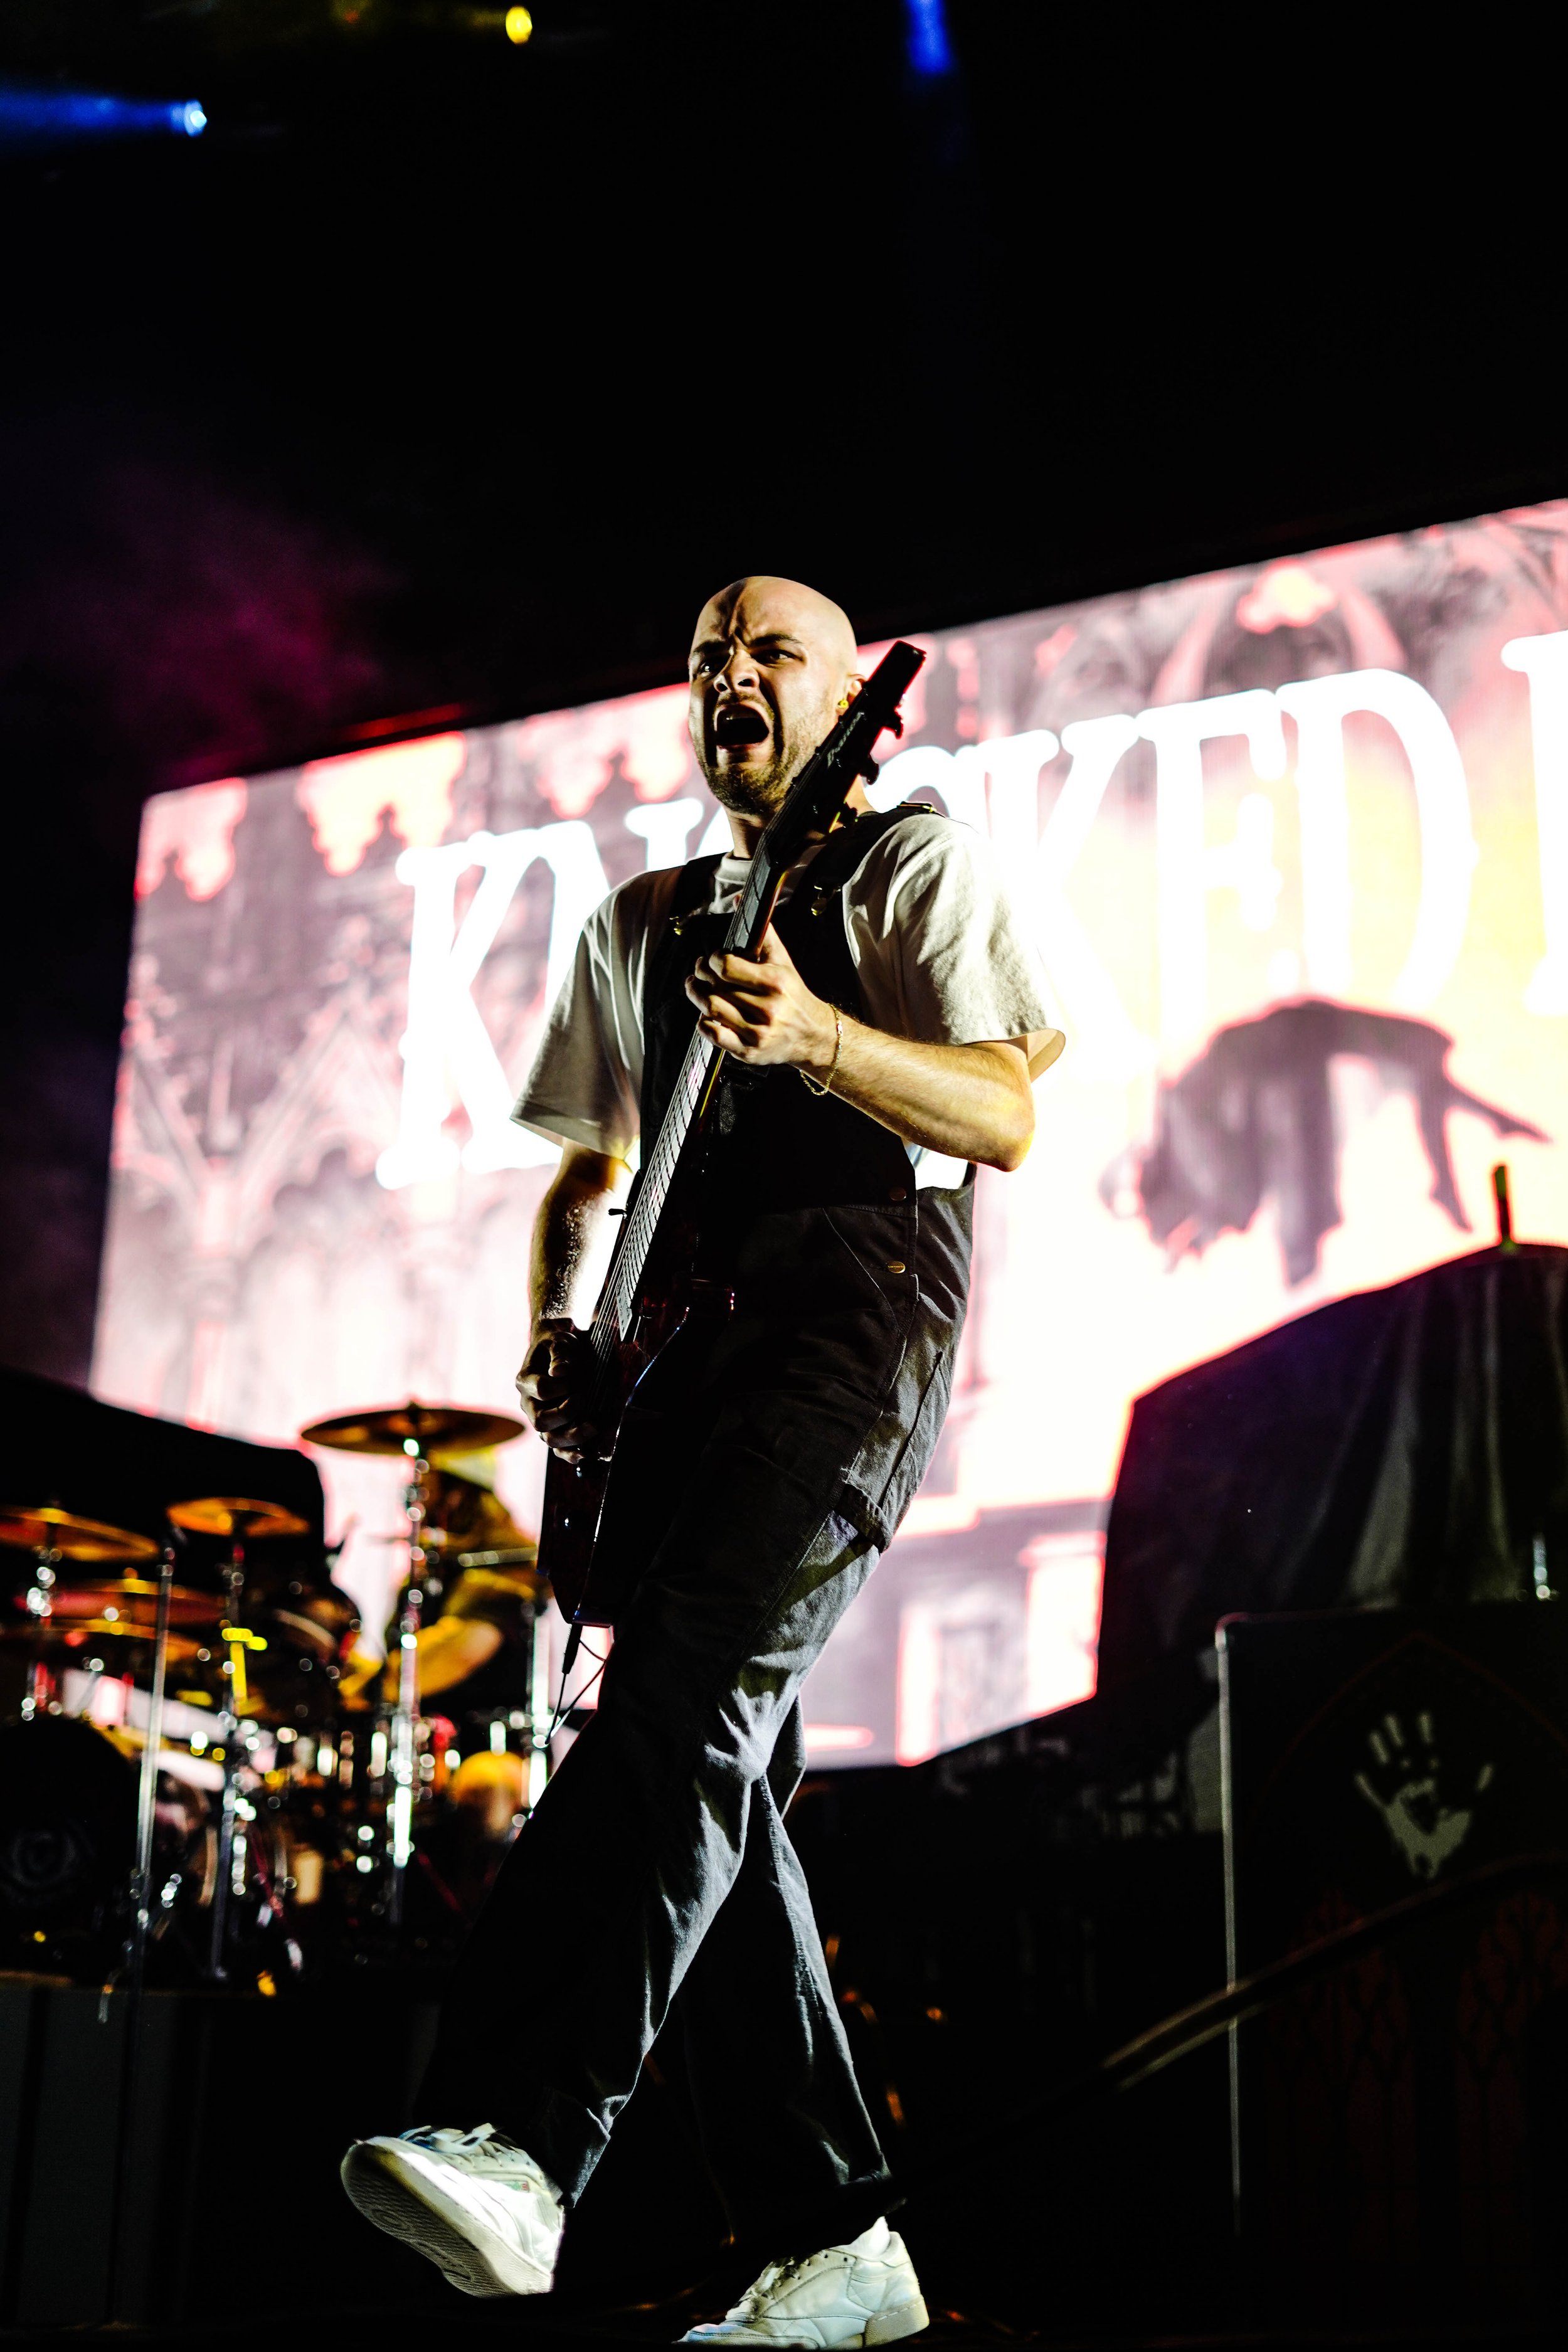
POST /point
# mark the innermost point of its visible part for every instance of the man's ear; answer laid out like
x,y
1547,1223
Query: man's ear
x,y
852,686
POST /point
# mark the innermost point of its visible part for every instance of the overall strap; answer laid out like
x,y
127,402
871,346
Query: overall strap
x,y
692,891
667,1018
687,907
847,849
821,950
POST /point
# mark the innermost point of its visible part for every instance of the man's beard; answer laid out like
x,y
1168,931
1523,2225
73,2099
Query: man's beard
x,y
762,792
754,792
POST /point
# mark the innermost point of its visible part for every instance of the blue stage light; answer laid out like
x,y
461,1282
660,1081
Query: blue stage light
x,y
930,49
31,118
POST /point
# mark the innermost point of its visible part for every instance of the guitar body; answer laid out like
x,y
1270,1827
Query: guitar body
x,y
568,1524
589,1537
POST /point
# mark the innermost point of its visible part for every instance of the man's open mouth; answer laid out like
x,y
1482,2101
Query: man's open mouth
x,y
736,724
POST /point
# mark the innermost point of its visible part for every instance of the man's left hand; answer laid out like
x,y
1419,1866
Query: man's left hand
x,y
968,1102
763,1012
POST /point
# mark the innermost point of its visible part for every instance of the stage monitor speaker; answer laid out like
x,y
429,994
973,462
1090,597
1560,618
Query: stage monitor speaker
x,y
1400,2127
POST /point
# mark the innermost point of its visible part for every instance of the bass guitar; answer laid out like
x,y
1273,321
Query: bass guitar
x,y
649,1291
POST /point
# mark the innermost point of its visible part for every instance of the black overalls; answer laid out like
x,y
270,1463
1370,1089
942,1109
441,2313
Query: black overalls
x,y
795,1431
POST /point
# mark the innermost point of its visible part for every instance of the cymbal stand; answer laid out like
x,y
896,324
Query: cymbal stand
x,y
539,1709
41,1608
136,1946
147,1806
404,1715
236,1700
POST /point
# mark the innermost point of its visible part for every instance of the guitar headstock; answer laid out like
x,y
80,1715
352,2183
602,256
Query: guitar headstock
x,y
823,783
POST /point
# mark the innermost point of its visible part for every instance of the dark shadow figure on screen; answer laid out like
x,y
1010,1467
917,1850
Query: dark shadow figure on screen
x,y
1253,1117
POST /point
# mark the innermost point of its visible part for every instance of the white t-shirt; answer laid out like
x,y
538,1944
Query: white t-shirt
x,y
940,953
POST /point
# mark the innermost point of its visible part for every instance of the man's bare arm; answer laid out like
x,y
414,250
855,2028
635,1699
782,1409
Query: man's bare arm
x,y
569,1231
569,1237
972,1102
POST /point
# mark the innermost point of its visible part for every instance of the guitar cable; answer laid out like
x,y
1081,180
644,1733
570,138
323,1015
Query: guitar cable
x,y
563,1706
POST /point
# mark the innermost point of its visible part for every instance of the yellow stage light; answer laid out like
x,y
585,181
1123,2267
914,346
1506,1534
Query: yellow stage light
x,y
519,24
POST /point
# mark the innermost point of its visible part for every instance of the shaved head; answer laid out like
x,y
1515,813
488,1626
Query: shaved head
x,y
772,663
763,597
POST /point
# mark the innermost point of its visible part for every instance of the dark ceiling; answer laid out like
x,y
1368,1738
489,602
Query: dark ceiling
x,y
442,371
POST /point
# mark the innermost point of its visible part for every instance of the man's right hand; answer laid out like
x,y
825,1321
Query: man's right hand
x,y
553,1386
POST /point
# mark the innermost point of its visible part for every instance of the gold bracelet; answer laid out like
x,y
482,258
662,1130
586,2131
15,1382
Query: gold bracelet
x,y
825,1086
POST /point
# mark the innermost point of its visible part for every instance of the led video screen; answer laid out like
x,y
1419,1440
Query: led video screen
x,y
1293,840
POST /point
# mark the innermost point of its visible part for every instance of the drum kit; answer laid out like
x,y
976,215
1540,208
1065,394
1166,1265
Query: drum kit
x,y
190,1784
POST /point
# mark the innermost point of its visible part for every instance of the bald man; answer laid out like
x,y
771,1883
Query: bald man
x,y
883,1043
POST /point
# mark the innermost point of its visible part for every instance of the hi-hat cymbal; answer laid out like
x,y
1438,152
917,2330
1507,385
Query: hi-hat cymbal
x,y
131,1603
386,1428
48,1528
236,1514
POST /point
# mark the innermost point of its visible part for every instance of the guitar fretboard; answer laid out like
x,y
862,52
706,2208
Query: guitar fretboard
x,y
617,1307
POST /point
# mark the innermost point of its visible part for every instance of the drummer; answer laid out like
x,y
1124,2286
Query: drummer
x,y
476,1655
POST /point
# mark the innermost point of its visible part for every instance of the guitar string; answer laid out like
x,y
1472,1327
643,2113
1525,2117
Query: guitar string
x,y
614,1315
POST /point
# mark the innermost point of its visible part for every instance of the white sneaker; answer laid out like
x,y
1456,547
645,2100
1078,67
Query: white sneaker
x,y
864,2292
477,2205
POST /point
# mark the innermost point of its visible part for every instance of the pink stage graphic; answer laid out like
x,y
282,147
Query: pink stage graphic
x,y
1294,843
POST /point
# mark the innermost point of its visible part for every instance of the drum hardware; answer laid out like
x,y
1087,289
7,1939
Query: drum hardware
x,y
96,1634
95,1673
47,1528
238,1517
309,1632
264,1795
128,1605
410,1430
52,1536
242,1519
142,1883
407,1708
40,1608
386,1428
239,1640
525,1731
540,1713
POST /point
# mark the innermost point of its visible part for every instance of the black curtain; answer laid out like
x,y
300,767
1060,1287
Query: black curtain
x,y
1404,1446
63,1446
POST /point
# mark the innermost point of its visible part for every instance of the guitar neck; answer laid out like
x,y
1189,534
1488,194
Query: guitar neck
x,y
688,1102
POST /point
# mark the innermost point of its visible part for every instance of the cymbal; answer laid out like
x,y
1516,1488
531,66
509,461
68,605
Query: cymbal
x,y
50,1529
184,1648
131,1603
384,1429
235,1515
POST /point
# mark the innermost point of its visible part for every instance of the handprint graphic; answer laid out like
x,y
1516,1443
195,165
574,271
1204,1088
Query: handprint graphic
x,y
1403,1789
